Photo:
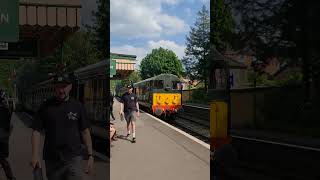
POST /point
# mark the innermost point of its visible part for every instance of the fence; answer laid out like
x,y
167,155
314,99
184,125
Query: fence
x,y
269,108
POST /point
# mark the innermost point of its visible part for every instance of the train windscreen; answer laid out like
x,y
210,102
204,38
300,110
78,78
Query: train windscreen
x,y
158,84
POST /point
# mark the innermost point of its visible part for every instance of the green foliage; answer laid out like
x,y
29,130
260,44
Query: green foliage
x,y
160,61
292,79
133,77
6,74
261,79
222,25
198,46
101,38
29,74
199,96
78,51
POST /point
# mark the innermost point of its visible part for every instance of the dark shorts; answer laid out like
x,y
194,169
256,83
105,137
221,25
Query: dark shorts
x,y
71,170
131,116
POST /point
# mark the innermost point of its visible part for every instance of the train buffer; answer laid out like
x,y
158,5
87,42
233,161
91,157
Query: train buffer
x,y
160,152
20,152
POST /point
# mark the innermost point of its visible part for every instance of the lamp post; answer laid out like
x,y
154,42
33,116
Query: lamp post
x,y
257,70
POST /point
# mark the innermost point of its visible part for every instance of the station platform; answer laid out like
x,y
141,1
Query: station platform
x,y
161,152
20,152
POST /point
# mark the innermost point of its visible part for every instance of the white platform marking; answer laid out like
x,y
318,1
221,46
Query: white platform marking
x,y
278,143
180,131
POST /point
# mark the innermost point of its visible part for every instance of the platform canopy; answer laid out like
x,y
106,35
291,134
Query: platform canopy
x,y
43,25
123,64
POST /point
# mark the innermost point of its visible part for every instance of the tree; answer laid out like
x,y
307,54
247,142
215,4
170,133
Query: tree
x,y
7,75
287,29
100,28
132,78
222,25
221,37
160,61
198,46
77,52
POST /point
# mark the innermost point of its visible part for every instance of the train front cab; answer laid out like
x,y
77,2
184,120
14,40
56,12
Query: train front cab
x,y
166,104
161,101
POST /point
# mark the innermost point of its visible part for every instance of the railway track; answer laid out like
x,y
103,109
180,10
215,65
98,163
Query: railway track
x,y
276,159
259,158
195,121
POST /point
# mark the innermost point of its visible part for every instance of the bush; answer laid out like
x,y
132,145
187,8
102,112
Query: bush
x,y
292,79
199,96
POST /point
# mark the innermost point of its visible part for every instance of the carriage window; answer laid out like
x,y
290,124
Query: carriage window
x,y
158,84
175,84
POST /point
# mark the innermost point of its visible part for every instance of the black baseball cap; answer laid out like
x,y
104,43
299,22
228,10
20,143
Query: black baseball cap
x,y
62,79
129,86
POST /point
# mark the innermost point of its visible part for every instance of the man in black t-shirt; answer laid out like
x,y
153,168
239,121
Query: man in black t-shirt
x,y
130,110
65,124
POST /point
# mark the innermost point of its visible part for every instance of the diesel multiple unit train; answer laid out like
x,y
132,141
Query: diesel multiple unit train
x,y
161,95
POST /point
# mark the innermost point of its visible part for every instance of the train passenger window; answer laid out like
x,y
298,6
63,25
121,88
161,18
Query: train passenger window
x,y
158,84
175,84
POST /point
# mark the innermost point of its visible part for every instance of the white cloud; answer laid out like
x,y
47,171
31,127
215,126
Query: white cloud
x,y
143,18
141,52
171,45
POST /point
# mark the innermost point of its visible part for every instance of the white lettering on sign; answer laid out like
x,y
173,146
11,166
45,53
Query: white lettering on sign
x,y
4,18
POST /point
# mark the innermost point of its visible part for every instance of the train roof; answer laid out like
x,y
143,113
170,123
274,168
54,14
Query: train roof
x,y
84,72
172,77
99,68
120,56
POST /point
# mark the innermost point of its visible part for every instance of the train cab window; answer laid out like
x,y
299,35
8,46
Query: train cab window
x,y
158,84
175,84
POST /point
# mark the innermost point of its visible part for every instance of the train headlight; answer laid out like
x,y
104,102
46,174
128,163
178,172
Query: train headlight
x,y
158,111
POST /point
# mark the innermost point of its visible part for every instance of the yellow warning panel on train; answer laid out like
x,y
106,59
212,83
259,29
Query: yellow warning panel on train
x,y
170,99
218,119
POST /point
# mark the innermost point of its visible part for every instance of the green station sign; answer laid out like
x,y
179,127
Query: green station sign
x,y
113,70
9,20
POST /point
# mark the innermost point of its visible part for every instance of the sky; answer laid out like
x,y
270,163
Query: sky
x,y
138,26
86,11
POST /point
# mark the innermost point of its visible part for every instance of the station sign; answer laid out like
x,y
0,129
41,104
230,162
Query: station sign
x,y
113,70
9,20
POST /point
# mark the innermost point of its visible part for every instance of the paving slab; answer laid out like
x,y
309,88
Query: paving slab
x,y
160,153
20,153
